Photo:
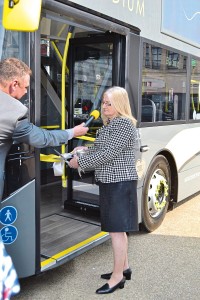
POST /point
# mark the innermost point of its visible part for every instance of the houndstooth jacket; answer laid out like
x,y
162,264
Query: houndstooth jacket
x,y
112,154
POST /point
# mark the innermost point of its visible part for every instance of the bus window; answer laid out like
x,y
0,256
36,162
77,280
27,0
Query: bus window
x,y
163,85
195,90
93,74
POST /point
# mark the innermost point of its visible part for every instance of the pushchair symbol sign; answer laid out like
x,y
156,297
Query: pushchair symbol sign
x,y
9,234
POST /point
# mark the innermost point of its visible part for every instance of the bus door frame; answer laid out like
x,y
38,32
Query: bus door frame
x,y
118,79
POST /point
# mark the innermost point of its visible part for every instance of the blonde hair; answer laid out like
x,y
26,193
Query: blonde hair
x,y
11,68
119,99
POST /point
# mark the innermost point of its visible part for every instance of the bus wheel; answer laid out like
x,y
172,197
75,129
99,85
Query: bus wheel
x,y
156,193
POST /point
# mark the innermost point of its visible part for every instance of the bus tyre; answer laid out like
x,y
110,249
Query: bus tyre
x,y
156,193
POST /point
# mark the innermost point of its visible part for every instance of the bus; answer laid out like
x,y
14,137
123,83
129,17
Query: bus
x,y
77,49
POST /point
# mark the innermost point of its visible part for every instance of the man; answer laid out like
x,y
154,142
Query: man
x,y
14,124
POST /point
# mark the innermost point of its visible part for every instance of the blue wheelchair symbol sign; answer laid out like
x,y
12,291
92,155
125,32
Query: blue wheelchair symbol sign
x,y
8,215
9,234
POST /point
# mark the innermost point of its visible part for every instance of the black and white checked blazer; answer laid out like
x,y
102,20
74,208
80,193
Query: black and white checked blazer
x,y
112,154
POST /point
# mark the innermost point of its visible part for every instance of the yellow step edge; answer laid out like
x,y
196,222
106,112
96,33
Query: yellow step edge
x,y
73,248
47,262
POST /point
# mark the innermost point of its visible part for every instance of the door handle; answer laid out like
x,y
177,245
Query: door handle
x,y
21,158
144,148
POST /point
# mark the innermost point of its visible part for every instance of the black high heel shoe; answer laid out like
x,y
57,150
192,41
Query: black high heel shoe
x,y
105,289
127,274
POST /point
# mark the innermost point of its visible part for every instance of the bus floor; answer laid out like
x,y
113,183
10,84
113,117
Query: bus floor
x,y
65,233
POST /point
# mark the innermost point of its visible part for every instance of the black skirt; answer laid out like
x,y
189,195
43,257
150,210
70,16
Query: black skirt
x,y
118,206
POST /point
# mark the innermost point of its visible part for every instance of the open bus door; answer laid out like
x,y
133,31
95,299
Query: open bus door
x,y
96,62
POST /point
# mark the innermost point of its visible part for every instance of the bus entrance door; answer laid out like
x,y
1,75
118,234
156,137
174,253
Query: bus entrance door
x,y
66,227
96,62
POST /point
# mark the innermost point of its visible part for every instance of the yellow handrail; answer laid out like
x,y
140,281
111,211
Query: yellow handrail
x,y
50,126
49,158
63,114
86,138
59,55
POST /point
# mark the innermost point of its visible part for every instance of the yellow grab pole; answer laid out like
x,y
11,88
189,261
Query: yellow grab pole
x,y
63,114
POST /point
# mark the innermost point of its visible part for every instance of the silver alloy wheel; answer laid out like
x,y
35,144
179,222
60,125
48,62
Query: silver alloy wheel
x,y
157,193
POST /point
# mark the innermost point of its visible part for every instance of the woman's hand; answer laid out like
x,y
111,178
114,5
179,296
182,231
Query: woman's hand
x,y
79,148
73,163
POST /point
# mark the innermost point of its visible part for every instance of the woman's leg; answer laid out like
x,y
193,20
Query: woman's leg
x,y
119,246
126,263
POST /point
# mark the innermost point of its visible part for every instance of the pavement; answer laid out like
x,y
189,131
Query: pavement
x,y
165,264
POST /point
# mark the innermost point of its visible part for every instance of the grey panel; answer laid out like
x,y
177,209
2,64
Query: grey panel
x,y
22,250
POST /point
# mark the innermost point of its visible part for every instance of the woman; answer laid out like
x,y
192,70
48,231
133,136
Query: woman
x,y
113,158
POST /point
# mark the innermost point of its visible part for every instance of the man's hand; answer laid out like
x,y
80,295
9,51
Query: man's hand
x,y
80,130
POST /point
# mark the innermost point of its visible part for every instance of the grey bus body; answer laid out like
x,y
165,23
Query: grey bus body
x,y
126,43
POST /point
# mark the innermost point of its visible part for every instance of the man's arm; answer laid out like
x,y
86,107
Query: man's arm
x,y
26,132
